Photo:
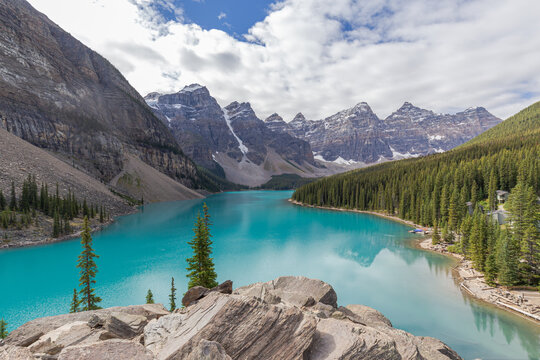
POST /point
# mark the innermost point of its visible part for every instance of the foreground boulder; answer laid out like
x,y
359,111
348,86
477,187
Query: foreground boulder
x,y
198,292
286,318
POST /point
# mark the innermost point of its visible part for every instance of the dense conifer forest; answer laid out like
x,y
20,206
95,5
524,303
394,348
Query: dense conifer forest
x,y
455,193
27,208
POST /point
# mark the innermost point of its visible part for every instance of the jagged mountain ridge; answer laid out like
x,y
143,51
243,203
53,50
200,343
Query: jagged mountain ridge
x,y
231,141
58,94
357,135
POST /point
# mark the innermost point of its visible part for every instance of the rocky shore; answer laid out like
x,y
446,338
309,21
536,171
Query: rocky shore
x,y
286,318
523,302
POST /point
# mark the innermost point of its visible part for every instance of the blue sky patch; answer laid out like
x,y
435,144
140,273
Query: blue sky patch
x,y
232,16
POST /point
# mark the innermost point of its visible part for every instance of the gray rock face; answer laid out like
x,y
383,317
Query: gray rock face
x,y
290,317
294,290
109,349
208,350
12,352
246,327
58,94
207,131
32,331
357,134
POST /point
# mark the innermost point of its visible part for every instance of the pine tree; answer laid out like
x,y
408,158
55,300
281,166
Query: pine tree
x,y
492,191
150,297
3,329
56,225
201,270
88,270
13,199
508,260
74,302
523,219
436,238
172,296
490,273
2,201
478,242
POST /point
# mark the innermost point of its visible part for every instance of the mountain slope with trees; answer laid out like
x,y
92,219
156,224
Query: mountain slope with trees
x,y
445,190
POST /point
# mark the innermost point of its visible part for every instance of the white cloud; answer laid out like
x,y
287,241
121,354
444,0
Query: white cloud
x,y
222,15
320,56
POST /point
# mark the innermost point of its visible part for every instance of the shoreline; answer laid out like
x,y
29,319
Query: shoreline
x,y
50,240
471,282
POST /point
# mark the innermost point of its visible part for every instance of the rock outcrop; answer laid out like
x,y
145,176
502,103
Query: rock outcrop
x,y
287,318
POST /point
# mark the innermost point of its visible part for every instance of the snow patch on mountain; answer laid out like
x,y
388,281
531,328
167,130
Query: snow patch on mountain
x,y
436,137
396,155
192,87
243,148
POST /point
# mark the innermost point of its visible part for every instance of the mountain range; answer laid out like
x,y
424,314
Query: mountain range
x,y
66,99
234,143
356,136
231,141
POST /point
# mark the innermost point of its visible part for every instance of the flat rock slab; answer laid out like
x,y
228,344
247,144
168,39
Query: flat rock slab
x,y
107,350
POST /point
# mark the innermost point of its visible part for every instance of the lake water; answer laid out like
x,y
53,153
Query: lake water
x,y
259,236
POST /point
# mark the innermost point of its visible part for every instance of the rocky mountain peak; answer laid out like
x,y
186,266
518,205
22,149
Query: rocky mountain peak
x,y
299,117
194,88
243,109
362,107
274,118
408,112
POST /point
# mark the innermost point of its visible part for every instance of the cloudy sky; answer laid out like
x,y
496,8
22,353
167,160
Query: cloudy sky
x,y
320,56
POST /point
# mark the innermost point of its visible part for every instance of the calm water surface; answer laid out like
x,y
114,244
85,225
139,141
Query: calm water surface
x,y
259,236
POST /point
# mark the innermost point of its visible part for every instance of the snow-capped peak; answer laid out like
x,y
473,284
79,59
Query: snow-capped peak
x,y
192,87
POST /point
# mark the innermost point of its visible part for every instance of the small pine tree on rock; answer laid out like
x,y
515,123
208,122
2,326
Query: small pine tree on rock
x,y
3,329
149,297
88,270
172,296
74,302
201,269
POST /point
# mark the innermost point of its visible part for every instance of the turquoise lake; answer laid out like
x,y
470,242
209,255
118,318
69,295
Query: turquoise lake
x,y
259,236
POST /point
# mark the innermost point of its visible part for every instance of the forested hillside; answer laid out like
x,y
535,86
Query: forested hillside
x,y
434,191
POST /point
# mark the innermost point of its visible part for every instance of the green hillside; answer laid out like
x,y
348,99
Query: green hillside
x,y
434,190
525,123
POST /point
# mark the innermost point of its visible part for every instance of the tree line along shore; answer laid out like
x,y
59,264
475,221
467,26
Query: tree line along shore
x,y
481,200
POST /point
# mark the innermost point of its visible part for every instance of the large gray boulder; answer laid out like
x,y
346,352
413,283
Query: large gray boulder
x,y
246,327
293,290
